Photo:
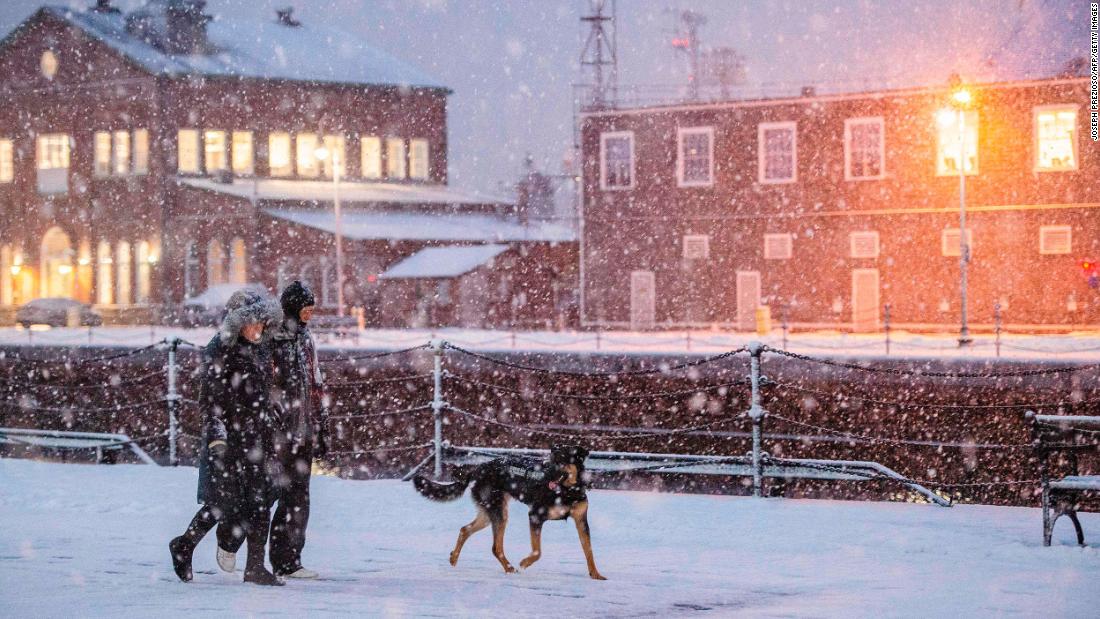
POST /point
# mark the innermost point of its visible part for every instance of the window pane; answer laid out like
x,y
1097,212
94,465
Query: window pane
x,y
695,157
778,144
242,152
395,158
618,167
102,145
278,154
125,273
214,149
418,159
334,145
307,157
104,283
865,145
7,165
141,151
52,152
1057,136
121,164
372,156
947,160
188,151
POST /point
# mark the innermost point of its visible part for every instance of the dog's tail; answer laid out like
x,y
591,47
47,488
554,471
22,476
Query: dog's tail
x,y
445,491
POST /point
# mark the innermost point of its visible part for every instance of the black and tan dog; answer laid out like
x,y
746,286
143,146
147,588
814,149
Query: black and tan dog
x,y
553,490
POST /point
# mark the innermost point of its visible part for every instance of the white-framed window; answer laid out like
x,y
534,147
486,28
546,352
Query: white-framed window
x,y
7,161
141,151
238,261
1055,138
214,151
370,147
949,242
120,159
696,246
777,152
104,281
863,244
187,151
279,160
617,160
52,154
395,158
335,146
305,145
778,246
947,142
418,159
695,156
864,149
242,153
215,263
145,261
124,269
1055,240
101,144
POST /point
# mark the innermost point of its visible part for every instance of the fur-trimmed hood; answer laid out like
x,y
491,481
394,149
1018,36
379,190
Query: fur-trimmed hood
x,y
248,306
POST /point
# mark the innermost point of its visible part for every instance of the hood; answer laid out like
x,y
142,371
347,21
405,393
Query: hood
x,y
248,306
296,296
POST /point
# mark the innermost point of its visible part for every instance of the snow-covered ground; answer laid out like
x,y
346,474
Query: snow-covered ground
x,y
91,541
1081,345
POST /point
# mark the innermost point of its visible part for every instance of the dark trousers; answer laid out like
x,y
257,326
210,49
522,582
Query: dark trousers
x,y
288,524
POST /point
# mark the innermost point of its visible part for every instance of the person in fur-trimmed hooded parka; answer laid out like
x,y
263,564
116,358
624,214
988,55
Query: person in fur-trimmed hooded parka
x,y
239,419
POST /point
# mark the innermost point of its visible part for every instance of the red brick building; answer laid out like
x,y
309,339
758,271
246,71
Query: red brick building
x,y
146,156
828,208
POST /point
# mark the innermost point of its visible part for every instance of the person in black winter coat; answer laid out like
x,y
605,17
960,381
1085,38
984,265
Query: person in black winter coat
x,y
302,435
238,429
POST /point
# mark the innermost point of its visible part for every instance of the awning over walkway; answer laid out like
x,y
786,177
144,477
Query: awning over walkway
x,y
443,262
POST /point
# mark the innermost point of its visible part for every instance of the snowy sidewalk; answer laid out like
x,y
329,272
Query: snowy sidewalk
x,y
92,541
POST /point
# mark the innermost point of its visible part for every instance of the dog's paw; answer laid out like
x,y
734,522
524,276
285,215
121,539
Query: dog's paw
x,y
597,576
510,570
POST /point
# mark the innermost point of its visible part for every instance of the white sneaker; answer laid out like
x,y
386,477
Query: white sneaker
x,y
227,561
302,573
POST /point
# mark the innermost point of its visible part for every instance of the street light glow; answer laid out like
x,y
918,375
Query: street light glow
x,y
962,97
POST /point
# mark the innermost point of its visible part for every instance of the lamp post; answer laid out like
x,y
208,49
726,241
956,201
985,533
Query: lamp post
x,y
961,99
324,153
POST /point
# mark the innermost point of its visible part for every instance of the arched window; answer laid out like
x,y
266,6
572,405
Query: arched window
x,y
191,270
238,261
6,296
57,264
124,266
215,263
104,286
84,271
144,272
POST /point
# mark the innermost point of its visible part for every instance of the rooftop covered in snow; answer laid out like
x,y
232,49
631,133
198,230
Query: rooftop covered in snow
x,y
283,190
443,262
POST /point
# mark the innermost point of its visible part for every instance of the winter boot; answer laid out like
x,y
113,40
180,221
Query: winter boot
x,y
302,573
181,551
254,570
227,561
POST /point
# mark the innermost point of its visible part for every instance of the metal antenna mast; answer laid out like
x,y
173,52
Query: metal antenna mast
x,y
599,56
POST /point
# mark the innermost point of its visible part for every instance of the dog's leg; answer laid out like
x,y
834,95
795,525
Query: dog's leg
x,y
579,512
536,542
480,522
499,518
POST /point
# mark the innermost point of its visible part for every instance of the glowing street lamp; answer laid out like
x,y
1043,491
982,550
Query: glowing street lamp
x,y
323,154
960,100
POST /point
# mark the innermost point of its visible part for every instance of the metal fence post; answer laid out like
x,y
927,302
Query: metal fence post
x,y
172,399
756,412
437,403
997,327
786,326
886,323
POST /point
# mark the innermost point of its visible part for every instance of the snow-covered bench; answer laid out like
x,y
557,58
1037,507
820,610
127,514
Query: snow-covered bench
x,y
60,439
1064,436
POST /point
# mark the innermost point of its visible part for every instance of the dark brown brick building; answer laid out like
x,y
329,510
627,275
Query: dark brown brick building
x,y
827,208
150,155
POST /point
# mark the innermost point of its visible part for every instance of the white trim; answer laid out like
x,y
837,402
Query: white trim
x,y
1044,248
680,133
785,236
603,160
864,120
1035,135
761,155
852,244
952,249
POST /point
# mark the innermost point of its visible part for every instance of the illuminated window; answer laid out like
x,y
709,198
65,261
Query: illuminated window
x,y
308,164
7,163
947,144
121,160
617,160
238,261
144,272
279,160
371,147
104,285
418,159
215,264
242,152
6,292
777,246
53,163
124,269
695,162
395,158
188,151
141,151
334,146
864,151
102,145
213,144
1056,138
777,152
